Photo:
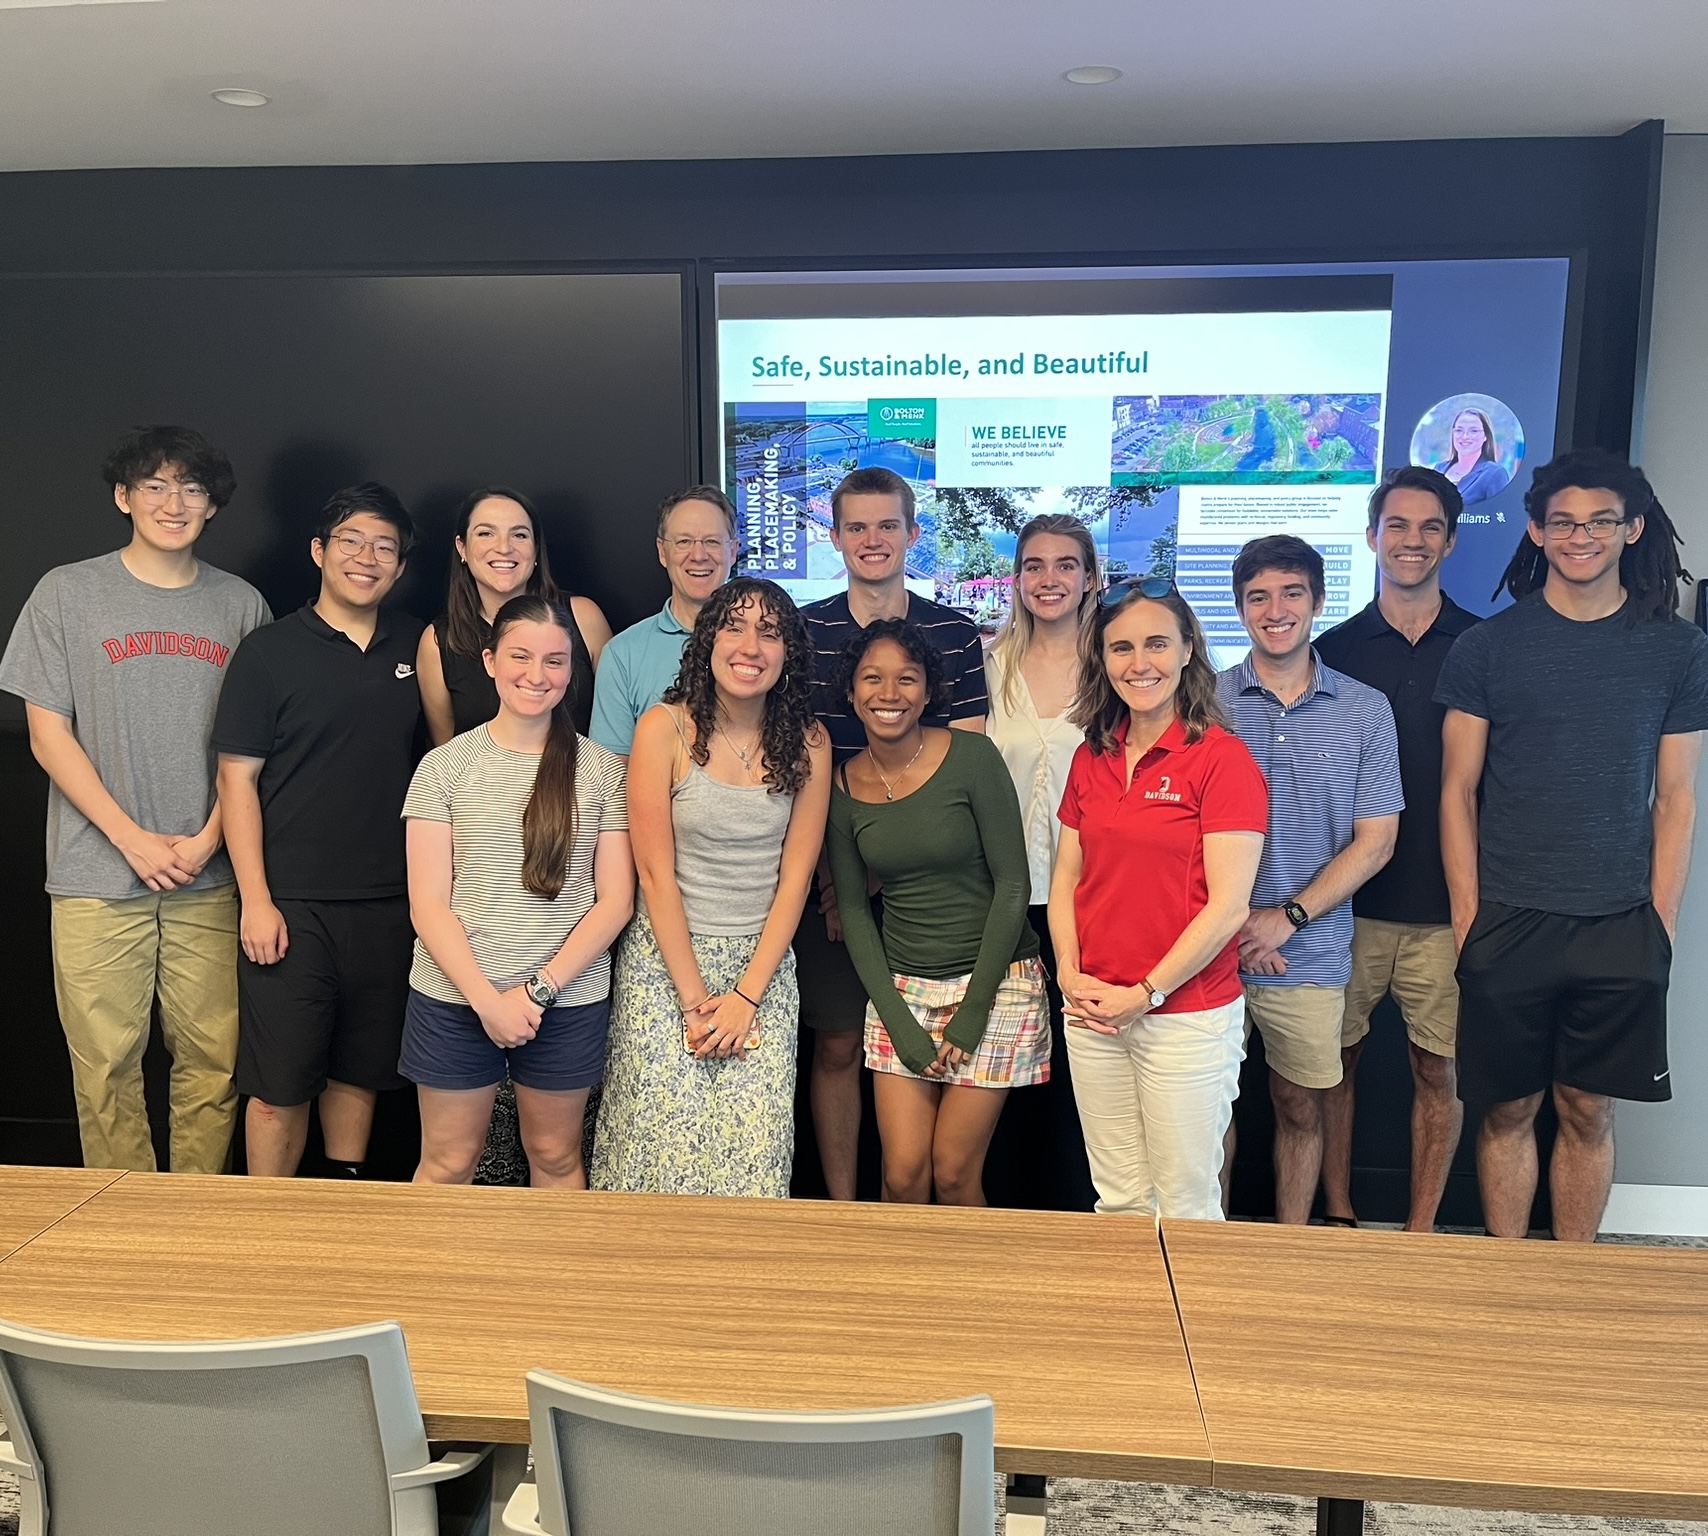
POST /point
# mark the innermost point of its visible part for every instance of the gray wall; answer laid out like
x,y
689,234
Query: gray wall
x,y
1668,1143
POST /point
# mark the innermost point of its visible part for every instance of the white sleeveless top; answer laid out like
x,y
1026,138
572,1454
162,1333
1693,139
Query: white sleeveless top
x,y
1038,753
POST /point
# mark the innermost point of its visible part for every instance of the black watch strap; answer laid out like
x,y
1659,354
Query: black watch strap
x,y
1295,914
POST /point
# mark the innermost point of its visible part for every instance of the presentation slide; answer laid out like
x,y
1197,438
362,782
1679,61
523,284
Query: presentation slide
x,y
1212,411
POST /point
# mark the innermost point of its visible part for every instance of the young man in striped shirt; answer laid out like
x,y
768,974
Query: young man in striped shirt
x,y
1328,748
872,527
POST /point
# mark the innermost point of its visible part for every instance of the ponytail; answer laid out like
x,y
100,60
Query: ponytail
x,y
548,820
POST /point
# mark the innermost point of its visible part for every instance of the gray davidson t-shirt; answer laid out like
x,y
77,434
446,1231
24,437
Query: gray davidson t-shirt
x,y
137,669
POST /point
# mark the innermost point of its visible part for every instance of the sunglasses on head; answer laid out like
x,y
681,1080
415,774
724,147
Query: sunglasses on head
x,y
1146,586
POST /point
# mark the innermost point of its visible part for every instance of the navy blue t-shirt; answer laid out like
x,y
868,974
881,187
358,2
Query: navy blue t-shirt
x,y
1576,712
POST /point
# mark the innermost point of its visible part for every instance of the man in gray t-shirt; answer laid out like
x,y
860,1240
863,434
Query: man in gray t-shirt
x,y
119,661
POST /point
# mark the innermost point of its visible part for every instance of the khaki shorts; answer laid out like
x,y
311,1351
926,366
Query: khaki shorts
x,y
1300,1025
1414,961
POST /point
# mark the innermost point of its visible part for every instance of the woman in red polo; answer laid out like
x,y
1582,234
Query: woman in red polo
x,y
1163,822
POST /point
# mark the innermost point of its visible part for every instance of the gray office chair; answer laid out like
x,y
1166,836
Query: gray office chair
x,y
611,1464
317,1432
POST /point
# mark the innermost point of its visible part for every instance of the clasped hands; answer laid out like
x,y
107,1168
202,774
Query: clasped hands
x,y
949,1058
719,1025
1260,941
164,862
1100,1006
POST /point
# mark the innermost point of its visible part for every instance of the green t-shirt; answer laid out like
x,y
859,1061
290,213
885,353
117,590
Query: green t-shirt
x,y
952,860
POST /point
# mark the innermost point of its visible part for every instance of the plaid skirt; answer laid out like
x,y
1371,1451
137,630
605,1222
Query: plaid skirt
x,y
1015,1050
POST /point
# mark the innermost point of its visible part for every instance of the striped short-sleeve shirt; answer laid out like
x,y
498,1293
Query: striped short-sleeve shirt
x,y
831,625
1331,758
482,789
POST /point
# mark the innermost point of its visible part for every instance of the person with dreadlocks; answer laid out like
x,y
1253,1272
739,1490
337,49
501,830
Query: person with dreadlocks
x,y
729,782
1570,748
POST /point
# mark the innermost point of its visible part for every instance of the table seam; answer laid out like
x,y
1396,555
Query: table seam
x,y
1186,1348
95,1194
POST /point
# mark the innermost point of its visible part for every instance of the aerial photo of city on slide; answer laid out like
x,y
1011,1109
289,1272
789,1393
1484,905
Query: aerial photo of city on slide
x,y
1232,439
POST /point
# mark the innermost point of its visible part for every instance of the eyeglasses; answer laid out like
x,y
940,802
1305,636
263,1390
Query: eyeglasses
x,y
193,497
1117,592
352,544
1600,527
689,546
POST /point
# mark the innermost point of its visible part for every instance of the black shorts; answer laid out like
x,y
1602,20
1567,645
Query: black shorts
x,y
832,999
1548,999
333,1008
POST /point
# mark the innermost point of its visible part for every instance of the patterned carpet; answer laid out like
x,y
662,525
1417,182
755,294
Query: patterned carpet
x,y
1080,1507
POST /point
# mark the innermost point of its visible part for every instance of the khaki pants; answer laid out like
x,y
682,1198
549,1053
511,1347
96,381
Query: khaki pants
x,y
109,960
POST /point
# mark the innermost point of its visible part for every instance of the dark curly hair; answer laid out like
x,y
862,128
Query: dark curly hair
x,y
1649,568
789,721
920,651
145,451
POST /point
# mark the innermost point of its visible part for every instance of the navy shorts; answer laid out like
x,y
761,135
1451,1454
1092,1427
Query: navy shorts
x,y
445,1046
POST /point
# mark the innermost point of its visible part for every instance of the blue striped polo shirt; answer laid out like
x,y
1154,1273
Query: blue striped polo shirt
x,y
1331,759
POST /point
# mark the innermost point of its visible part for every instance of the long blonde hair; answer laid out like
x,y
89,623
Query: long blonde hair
x,y
1014,639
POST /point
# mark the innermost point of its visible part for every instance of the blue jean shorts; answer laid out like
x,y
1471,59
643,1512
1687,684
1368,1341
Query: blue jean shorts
x,y
445,1046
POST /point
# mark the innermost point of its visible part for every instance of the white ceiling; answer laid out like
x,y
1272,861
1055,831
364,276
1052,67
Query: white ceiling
x,y
424,81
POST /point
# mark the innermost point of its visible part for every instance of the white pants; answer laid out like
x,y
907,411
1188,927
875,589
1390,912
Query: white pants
x,y
1154,1103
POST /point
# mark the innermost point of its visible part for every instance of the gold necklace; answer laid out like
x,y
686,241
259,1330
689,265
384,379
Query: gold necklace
x,y
889,789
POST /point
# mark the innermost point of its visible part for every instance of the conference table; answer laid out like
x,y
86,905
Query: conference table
x,y
33,1199
1342,1365
1356,1365
1066,1321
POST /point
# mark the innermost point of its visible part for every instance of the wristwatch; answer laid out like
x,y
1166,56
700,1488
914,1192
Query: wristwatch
x,y
1295,914
1157,999
541,988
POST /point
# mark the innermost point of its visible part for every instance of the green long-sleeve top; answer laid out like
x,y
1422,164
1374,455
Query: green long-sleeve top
x,y
952,860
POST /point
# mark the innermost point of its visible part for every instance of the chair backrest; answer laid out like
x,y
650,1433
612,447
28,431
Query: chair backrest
x,y
259,1436
613,1464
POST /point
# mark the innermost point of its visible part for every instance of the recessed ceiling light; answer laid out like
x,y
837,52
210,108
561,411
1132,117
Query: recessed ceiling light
x,y
1092,74
241,98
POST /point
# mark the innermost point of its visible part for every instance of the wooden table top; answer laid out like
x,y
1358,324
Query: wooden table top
x,y
1066,1321
33,1199
1449,1370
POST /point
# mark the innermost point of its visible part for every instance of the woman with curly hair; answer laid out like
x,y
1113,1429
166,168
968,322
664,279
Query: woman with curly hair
x,y
957,1013
729,780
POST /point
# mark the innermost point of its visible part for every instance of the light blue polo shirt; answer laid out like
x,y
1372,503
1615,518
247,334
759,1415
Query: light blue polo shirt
x,y
634,670
1332,758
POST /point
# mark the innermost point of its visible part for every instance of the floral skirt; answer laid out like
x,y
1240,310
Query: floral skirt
x,y
1015,1050
670,1123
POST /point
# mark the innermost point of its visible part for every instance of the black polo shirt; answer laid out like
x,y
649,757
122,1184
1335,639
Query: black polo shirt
x,y
1412,886
336,725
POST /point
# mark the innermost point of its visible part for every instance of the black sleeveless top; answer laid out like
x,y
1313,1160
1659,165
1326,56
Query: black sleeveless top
x,y
474,698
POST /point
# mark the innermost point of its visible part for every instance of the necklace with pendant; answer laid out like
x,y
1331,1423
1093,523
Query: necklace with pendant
x,y
747,756
889,789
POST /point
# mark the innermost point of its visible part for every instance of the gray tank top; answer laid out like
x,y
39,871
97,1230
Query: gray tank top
x,y
729,850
